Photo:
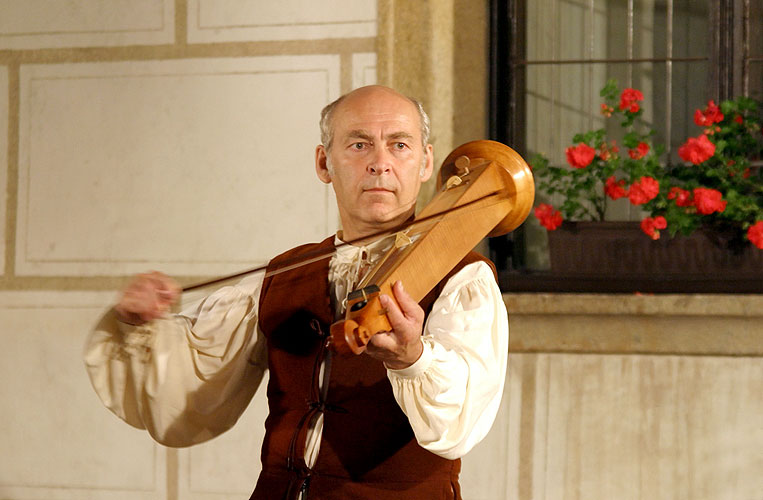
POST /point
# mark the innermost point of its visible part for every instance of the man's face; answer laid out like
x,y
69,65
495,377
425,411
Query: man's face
x,y
376,162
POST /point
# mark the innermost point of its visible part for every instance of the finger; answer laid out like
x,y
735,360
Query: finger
x,y
394,314
166,289
381,343
169,293
409,307
175,289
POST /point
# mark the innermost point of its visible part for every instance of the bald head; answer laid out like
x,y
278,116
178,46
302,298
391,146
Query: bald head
x,y
368,94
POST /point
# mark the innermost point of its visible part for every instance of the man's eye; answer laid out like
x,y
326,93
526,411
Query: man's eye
x,y
400,145
358,145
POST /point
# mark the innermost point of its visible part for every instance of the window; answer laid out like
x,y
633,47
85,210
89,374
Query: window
x,y
550,58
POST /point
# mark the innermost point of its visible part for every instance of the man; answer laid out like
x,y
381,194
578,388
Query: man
x,y
391,423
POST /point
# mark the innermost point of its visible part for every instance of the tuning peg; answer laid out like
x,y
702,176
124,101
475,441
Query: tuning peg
x,y
462,165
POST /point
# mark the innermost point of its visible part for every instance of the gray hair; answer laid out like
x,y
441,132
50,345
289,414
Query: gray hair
x,y
327,130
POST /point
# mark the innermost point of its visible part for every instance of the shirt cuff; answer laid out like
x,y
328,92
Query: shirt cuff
x,y
125,328
420,366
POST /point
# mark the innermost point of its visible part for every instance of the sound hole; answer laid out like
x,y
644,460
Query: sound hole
x,y
357,306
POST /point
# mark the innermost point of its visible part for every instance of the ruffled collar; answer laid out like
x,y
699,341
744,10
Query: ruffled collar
x,y
349,265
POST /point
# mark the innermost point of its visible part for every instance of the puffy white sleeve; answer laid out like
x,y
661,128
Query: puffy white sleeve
x,y
186,378
452,393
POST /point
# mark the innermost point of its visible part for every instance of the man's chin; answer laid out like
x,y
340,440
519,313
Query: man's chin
x,y
389,217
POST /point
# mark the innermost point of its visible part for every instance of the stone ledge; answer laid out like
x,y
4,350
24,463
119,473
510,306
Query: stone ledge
x,y
670,305
713,325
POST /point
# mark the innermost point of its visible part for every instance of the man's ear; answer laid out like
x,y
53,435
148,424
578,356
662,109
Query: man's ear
x,y
426,171
321,164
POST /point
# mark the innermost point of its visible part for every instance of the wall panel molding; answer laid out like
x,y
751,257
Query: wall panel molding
x,y
37,24
363,69
239,20
175,165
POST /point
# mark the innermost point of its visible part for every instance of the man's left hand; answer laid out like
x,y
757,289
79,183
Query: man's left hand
x,y
401,347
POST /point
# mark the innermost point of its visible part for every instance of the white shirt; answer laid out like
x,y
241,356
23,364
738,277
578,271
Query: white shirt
x,y
188,377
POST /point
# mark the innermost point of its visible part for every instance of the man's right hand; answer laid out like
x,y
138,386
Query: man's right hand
x,y
148,296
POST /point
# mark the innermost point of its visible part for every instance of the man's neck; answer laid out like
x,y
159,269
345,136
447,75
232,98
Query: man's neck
x,y
369,233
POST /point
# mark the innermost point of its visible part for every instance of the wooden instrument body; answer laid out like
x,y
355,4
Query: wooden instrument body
x,y
493,196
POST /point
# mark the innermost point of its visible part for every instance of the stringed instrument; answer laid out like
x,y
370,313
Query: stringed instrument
x,y
485,189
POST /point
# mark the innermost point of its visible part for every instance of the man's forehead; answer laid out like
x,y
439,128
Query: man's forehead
x,y
352,122
368,134
381,105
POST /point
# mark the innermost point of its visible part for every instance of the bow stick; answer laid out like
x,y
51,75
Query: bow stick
x,y
317,255
514,182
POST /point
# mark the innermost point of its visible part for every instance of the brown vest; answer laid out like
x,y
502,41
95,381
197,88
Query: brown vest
x,y
368,450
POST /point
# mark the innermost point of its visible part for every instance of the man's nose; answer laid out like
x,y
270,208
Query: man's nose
x,y
380,162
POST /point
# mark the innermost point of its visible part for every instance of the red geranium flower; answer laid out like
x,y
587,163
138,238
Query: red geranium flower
x,y
643,190
697,149
548,217
739,119
614,188
755,234
682,197
640,151
608,151
604,153
651,226
629,100
711,114
708,201
580,156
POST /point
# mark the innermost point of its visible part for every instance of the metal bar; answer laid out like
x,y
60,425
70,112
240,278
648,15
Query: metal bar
x,y
518,21
591,45
669,80
746,48
714,73
496,119
728,50
555,138
525,62
630,41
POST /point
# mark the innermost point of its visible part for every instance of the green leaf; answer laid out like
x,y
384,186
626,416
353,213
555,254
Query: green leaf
x,y
631,140
610,90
